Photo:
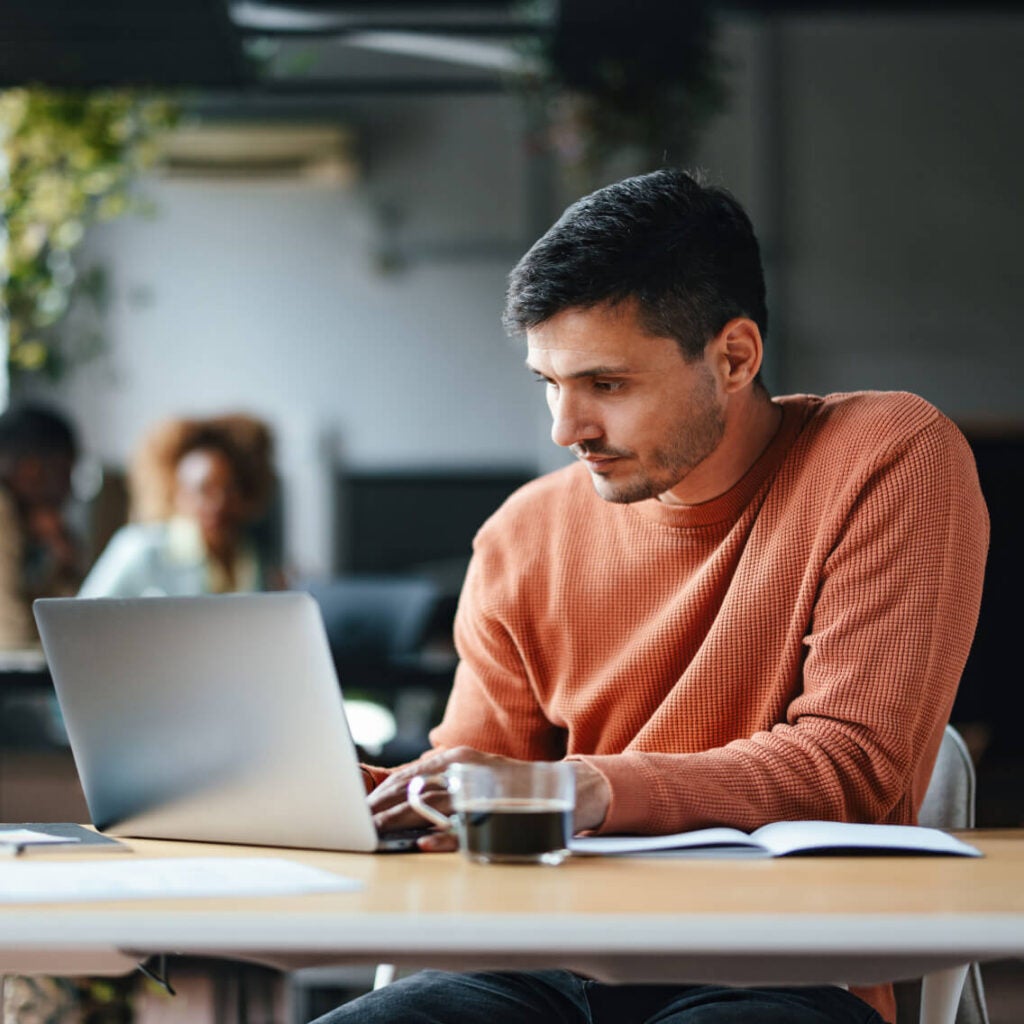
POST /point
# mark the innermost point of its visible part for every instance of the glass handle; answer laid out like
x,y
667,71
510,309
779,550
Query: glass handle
x,y
414,791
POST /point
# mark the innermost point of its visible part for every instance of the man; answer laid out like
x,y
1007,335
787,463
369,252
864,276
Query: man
x,y
39,556
734,610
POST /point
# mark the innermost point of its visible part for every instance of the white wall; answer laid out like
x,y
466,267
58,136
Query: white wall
x,y
904,212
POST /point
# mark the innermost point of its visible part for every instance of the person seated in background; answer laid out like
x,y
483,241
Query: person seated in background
x,y
39,554
199,488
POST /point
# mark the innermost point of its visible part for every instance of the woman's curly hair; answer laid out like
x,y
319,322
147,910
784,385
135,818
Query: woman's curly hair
x,y
244,440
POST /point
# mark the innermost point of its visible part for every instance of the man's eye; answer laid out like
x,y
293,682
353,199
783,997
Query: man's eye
x,y
608,385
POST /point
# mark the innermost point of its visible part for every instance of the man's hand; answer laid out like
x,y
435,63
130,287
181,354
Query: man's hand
x,y
391,809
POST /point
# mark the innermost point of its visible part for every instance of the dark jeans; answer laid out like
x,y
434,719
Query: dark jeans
x,y
560,997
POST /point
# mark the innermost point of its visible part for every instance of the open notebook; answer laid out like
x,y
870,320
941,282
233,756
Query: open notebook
x,y
786,838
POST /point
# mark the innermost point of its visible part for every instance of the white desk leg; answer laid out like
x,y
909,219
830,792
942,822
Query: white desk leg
x,y
384,975
940,995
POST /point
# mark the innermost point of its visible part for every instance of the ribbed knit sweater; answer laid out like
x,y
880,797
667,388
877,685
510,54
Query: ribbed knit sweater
x,y
788,650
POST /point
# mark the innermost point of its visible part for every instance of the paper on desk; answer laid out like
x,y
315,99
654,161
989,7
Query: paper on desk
x,y
62,881
26,836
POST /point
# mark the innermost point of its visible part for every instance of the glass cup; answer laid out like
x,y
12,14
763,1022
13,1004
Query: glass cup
x,y
515,812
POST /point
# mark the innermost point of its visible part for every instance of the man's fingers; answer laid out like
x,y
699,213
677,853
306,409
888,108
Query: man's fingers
x,y
393,789
402,816
438,842
389,802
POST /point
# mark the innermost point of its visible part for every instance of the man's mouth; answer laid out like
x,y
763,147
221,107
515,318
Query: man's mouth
x,y
597,463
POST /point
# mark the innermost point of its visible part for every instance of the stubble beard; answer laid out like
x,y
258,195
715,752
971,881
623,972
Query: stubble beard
x,y
666,467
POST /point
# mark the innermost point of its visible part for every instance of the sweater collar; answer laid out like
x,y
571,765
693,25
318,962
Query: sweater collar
x,y
796,410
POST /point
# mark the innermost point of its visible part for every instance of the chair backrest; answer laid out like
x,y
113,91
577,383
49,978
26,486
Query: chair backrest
x,y
375,619
948,803
949,800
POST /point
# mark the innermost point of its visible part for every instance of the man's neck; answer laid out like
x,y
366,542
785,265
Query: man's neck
x,y
752,419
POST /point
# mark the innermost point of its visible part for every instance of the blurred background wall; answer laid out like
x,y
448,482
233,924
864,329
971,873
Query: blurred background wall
x,y
878,155
361,321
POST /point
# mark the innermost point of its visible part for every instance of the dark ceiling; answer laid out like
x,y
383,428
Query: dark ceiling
x,y
239,45
325,47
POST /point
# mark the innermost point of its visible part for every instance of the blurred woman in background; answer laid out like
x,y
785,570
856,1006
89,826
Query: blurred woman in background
x,y
200,490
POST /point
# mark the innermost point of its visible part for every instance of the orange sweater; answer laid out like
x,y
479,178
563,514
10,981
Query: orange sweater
x,y
789,650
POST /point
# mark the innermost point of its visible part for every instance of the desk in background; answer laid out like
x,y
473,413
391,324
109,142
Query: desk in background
x,y
38,781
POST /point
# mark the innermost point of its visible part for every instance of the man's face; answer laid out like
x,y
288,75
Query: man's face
x,y
628,404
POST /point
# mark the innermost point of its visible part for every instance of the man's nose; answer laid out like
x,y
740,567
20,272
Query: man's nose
x,y
572,422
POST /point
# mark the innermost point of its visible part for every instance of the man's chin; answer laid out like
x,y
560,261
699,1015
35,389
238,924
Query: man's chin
x,y
623,493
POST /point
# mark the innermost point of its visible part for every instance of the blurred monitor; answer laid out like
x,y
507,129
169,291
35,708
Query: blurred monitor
x,y
397,522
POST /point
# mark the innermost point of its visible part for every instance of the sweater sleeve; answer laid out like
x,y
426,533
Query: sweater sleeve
x,y
891,629
493,705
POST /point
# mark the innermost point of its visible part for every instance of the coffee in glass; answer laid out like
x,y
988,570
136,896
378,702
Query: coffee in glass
x,y
513,812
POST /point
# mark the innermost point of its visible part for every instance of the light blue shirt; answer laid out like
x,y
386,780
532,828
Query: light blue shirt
x,y
166,559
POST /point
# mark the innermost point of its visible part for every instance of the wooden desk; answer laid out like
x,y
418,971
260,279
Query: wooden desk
x,y
831,919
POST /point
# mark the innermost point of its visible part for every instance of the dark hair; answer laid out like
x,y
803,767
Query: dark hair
x,y
244,440
684,250
33,429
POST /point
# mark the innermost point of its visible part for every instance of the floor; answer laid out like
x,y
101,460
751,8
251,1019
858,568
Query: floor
x,y
1004,991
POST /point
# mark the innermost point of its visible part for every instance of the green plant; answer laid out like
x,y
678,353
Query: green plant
x,y
40,999
68,160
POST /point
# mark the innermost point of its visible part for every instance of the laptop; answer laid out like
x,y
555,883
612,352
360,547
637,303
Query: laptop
x,y
218,719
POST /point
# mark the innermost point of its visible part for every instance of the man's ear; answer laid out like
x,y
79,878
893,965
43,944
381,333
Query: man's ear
x,y
736,353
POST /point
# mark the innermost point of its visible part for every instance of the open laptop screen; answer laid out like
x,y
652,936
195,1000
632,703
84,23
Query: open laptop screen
x,y
210,718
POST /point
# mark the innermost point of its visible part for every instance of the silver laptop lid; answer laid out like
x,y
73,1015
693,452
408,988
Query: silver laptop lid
x,y
207,718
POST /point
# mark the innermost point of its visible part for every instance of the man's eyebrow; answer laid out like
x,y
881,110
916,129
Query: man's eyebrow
x,y
592,371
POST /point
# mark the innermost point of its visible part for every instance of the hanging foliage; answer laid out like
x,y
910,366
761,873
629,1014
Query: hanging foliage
x,y
68,160
644,80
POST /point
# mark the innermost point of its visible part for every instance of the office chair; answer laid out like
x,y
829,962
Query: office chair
x,y
375,619
948,803
376,628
